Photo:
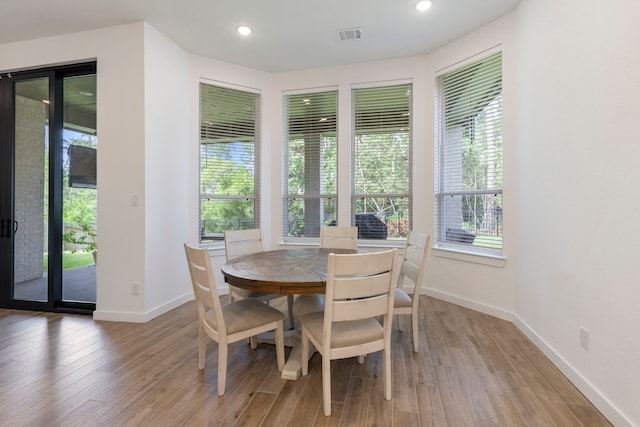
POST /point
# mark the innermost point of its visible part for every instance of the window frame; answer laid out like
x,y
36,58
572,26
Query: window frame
x,y
407,83
324,93
449,247
218,240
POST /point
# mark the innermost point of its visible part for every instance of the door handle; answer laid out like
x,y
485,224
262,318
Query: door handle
x,y
15,227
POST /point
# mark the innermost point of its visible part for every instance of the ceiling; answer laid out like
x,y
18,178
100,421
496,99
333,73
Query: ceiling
x,y
287,34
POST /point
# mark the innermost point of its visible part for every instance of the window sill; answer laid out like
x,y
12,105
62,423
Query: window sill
x,y
399,244
469,255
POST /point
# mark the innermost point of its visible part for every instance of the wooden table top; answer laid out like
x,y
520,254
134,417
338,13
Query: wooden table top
x,y
282,271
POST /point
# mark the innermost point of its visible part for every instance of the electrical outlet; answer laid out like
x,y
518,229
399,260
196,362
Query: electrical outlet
x,y
584,338
135,288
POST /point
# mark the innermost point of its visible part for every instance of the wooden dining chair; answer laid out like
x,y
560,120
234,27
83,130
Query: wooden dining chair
x,y
413,265
228,323
243,242
339,237
359,290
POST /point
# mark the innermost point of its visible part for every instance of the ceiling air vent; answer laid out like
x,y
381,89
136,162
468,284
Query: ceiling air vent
x,y
350,34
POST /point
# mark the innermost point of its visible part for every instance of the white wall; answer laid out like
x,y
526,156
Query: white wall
x,y
167,173
578,169
120,92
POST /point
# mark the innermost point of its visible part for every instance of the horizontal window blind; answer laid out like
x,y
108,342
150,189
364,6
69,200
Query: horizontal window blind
x,y
228,161
382,199
469,161
310,140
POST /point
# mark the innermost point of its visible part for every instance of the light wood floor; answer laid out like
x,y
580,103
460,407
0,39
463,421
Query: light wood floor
x,y
472,370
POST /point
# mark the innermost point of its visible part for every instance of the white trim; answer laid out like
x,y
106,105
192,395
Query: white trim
x,y
601,402
228,85
468,60
464,302
309,90
468,255
121,316
382,83
608,408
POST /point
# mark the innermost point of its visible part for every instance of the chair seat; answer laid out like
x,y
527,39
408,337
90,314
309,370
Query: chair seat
x,y
344,334
244,314
402,299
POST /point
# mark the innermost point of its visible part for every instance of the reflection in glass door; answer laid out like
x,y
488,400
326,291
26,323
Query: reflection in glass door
x,y
31,155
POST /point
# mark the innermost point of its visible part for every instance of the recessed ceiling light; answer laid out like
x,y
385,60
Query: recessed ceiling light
x,y
244,30
423,5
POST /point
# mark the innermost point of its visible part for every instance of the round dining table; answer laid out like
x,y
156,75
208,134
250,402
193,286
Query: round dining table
x,y
301,271
282,271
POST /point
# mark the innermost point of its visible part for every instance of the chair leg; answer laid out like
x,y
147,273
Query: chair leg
x,y
280,345
254,342
326,385
202,346
361,359
290,307
304,353
414,330
398,322
222,367
386,355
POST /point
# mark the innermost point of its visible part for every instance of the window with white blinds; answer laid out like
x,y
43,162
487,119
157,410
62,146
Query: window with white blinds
x,y
229,191
468,173
310,140
382,195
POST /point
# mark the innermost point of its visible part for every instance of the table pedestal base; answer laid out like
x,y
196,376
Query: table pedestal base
x,y
304,304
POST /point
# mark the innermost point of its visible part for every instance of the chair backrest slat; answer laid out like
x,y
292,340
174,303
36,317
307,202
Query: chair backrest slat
x,y
359,286
204,284
414,261
360,308
242,242
339,237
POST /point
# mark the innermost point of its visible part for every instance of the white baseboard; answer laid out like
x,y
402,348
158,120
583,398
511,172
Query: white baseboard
x,y
473,305
592,393
120,316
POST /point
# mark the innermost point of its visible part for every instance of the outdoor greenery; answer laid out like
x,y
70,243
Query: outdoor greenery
x,y
79,207
482,169
79,203
325,194
81,239
69,259
226,172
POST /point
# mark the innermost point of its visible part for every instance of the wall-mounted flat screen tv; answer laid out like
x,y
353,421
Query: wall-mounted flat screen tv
x,y
82,166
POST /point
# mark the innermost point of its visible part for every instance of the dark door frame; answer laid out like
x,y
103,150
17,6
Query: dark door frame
x,y
56,76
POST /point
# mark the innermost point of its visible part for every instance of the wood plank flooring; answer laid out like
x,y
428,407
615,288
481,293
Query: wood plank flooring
x,y
472,370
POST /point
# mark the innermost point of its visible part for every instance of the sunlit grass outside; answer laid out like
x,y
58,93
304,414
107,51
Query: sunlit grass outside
x,y
69,259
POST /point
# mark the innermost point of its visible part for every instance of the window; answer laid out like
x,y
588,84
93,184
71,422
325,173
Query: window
x,y
381,199
468,172
229,193
310,139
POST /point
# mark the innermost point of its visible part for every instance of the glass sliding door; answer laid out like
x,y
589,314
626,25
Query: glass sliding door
x,y
79,183
48,189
